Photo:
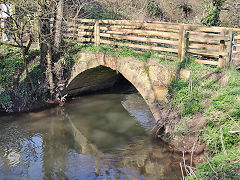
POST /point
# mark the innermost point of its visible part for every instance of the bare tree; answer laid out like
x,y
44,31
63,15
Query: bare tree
x,y
17,27
51,16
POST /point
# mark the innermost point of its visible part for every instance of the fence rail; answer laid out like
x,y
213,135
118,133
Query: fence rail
x,y
220,44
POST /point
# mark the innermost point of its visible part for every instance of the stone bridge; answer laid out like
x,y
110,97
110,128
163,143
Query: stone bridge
x,y
93,72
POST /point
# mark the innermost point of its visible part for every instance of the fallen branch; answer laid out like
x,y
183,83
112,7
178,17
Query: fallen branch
x,y
192,153
184,163
182,170
233,132
233,121
211,166
192,172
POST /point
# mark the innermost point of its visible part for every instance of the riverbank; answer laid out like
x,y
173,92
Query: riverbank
x,y
208,104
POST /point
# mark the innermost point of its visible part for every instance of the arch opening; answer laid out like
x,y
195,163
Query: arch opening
x,y
104,80
93,74
99,79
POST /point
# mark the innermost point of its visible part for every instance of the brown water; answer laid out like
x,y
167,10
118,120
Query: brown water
x,y
101,136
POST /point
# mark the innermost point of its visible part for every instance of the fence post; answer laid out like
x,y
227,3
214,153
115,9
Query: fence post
x,y
180,39
185,43
229,48
236,50
97,33
222,48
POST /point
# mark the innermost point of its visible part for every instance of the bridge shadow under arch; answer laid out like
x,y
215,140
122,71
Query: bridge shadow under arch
x,y
92,80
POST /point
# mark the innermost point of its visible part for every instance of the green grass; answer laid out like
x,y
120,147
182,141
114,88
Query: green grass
x,y
12,66
126,52
11,62
188,100
224,100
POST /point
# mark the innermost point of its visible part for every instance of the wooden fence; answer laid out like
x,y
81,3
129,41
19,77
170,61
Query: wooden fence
x,y
209,45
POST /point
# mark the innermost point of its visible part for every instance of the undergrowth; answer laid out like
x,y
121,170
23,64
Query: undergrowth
x,y
12,67
224,117
14,85
219,102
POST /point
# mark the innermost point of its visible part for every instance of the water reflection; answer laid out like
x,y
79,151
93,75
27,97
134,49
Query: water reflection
x,y
92,137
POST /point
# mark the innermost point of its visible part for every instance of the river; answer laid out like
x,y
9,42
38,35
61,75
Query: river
x,y
97,136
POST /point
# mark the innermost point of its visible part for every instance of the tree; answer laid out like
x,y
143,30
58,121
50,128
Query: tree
x,y
49,18
17,26
213,9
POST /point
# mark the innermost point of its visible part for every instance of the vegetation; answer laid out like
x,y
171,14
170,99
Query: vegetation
x,y
213,13
127,52
14,84
211,92
207,12
215,94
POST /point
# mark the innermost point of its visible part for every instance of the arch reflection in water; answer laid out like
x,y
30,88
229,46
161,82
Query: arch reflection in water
x,y
93,137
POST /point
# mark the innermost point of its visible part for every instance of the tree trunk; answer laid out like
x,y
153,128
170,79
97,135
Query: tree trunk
x,y
58,26
26,67
49,70
44,36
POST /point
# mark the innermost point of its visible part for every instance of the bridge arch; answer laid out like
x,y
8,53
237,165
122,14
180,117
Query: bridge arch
x,y
93,72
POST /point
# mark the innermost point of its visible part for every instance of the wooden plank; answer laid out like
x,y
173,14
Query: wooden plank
x,y
83,20
70,35
204,46
82,27
145,33
236,52
207,36
237,37
156,23
142,39
140,46
208,41
81,39
236,45
79,26
116,27
70,24
82,33
141,23
236,59
71,29
215,63
207,53
204,33
190,27
211,29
